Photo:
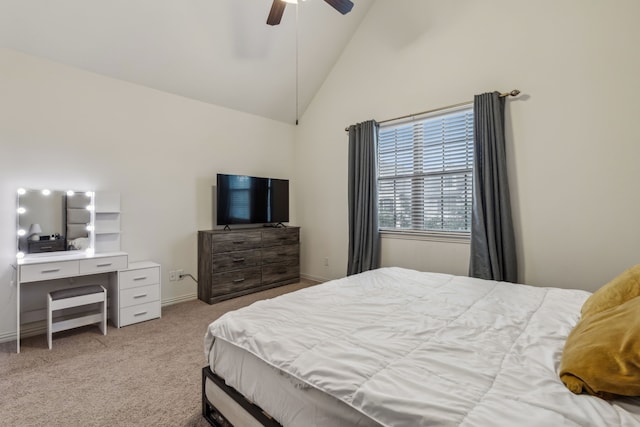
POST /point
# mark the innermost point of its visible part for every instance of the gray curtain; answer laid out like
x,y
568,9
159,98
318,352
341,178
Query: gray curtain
x,y
364,246
493,252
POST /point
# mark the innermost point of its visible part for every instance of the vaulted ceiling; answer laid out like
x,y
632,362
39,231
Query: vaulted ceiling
x,y
216,51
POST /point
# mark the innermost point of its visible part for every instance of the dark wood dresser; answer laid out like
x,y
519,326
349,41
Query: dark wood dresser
x,y
238,262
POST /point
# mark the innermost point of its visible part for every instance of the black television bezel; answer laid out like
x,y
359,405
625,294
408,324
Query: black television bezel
x,y
280,220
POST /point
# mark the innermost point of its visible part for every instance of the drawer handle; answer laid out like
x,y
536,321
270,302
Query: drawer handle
x,y
141,313
140,296
53,270
238,260
104,265
140,278
238,280
46,247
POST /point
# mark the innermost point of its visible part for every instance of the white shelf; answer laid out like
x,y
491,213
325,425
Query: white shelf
x,y
107,221
107,202
107,243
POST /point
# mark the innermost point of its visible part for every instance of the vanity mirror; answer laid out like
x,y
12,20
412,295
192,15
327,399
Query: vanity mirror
x,y
54,221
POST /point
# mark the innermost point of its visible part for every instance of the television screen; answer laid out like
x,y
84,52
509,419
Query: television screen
x,y
245,199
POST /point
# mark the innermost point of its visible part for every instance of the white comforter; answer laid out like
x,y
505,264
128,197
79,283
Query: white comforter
x,y
408,348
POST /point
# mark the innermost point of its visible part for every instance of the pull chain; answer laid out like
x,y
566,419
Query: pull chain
x,y
297,66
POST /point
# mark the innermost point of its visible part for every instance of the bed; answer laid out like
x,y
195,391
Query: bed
x,y
398,347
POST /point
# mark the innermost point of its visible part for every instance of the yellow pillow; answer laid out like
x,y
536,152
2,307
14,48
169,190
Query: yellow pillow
x,y
602,353
616,292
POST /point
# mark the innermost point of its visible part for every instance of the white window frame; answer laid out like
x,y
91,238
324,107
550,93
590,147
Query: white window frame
x,y
458,166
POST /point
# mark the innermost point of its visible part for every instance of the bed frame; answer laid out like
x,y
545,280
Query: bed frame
x,y
235,406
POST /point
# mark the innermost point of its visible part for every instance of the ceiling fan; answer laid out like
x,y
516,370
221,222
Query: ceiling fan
x,y
277,8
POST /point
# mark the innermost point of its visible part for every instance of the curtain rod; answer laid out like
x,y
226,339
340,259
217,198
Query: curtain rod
x,y
514,92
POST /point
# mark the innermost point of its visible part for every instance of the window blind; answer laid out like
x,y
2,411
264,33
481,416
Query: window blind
x,y
425,169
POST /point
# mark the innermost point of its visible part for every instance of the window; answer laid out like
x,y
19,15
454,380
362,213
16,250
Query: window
x,y
425,172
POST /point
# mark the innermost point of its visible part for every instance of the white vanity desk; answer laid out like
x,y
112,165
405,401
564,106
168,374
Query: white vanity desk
x,y
40,267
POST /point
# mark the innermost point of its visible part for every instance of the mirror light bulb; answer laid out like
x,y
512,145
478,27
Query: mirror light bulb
x,y
90,207
46,192
21,232
70,193
20,255
21,210
22,191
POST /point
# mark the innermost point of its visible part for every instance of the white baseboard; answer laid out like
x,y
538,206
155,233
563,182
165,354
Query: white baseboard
x,y
40,327
314,278
8,336
179,299
30,330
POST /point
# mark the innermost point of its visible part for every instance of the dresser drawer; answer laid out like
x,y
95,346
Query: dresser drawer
x,y
103,264
47,271
241,261
280,236
235,241
273,273
139,277
139,313
236,280
236,260
282,253
139,295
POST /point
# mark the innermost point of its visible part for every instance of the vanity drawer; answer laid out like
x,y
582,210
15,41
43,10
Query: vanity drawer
x,y
139,295
47,271
139,277
103,264
139,313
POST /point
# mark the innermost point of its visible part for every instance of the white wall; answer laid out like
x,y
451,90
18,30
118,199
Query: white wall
x,y
573,141
64,128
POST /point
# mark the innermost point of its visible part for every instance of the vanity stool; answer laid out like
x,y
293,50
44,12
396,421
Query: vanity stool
x,y
75,297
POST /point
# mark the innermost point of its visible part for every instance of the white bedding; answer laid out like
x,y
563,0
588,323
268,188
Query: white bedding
x,y
281,396
407,348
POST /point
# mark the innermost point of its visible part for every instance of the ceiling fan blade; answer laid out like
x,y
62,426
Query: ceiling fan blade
x,y
342,6
275,14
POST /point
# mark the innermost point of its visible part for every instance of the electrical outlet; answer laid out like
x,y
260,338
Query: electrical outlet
x,y
172,276
179,274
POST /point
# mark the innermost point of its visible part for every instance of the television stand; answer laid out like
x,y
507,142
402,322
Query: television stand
x,y
246,260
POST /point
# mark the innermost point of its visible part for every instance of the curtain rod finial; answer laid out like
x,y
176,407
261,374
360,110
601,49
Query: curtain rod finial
x,y
514,92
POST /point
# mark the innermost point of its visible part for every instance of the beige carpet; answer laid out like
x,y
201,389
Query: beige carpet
x,y
148,374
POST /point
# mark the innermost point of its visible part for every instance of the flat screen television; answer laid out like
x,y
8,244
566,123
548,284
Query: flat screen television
x,y
242,199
